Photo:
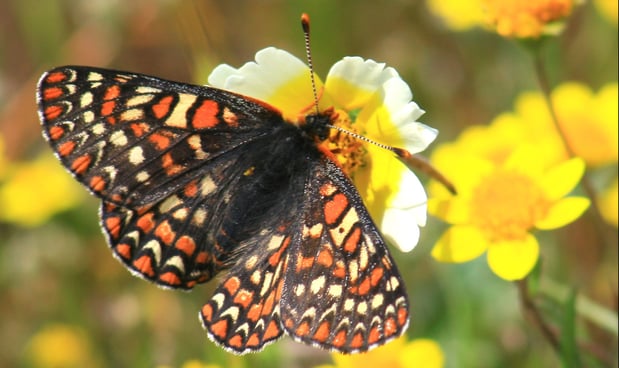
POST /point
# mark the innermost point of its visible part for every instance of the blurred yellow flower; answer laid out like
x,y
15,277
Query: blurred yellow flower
x,y
608,9
609,203
506,188
3,163
194,363
589,121
459,15
59,345
34,191
418,353
510,18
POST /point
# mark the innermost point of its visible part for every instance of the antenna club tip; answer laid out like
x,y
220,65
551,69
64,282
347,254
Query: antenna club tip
x,y
305,22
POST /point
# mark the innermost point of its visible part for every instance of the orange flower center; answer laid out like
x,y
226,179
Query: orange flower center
x,y
347,149
525,18
507,204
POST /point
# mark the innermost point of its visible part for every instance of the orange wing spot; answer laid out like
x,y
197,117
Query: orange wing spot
x,y
352,243
81,164
289,323
236,341
170,278
339,340
107,108
146,223
112,92
55,77
165,233
271,331
390,327
357,341
191,189
97,183
202,257
123,250
220,329
52,112
111,120
335,207
162,108
112,224
205,116
322,332
139,129
232,285
52,92
207,312
376,275
274,259
244,298
66,148
253,341
268,304
303,263
303,329
160,141
186,245
56,132
325,257
363,288
402,316
144,265
168,164
339,270
374,335
254,312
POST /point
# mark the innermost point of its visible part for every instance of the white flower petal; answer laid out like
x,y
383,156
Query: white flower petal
x,y
262,78
400,229
365,74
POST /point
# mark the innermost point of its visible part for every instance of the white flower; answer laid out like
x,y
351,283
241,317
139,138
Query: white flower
x,y
371,100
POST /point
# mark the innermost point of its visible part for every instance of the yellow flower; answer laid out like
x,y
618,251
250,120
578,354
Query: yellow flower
x,y
35,191
459,15
418,353
608,9
510,18
506,188
60,345
609,203
589,121
370,100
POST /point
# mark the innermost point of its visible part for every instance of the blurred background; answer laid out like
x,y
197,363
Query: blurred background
x,y
62,292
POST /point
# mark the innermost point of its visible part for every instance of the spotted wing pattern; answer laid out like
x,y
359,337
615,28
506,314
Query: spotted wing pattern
x,y
195,180
326,278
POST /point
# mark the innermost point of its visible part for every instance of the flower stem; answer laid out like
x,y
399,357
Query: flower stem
x,y
530,309
609,234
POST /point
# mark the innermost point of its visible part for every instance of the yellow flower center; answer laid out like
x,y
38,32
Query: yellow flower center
x,y
347,149
525,18
507,204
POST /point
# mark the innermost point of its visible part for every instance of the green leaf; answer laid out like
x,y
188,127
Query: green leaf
x,y
569,347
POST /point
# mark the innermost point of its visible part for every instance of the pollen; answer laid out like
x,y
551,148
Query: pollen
x,y
507,204
348,150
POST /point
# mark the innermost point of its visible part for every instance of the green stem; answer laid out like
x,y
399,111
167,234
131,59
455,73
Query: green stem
x,y
585,307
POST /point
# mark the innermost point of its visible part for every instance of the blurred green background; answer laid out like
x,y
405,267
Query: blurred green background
x,y
61,290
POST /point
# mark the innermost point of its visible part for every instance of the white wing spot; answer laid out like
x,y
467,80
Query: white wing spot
x,y
136,155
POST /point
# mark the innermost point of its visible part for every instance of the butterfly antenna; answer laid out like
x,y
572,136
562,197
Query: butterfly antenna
x,y
305,23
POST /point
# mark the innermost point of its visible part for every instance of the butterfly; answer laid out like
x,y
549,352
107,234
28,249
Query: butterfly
x,y
196,181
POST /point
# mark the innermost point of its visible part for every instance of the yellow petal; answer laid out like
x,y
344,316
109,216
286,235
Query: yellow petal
x,y
424,353
513,259
459,244
561,179
563,212
453,211
609,203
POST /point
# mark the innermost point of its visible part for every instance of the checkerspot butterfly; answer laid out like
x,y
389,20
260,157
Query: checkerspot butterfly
x,y
195,180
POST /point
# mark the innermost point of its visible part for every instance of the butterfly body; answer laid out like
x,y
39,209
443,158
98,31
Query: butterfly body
x,y
195,180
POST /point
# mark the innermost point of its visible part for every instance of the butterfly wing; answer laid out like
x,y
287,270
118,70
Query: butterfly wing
x,y
167,159
322,274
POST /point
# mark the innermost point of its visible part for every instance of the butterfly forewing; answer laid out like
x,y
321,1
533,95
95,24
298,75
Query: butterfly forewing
x,y
195,180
